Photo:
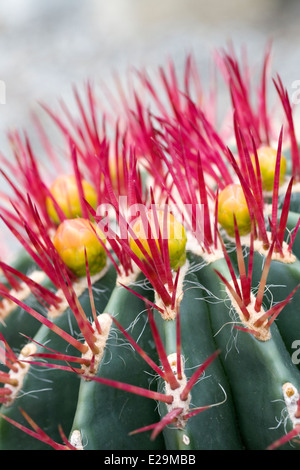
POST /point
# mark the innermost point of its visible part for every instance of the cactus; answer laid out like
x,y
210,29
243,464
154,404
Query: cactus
x,y
153,304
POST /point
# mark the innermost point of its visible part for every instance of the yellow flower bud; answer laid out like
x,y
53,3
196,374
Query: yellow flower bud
x,y
232,202
267,163
65,192
72,237
175,232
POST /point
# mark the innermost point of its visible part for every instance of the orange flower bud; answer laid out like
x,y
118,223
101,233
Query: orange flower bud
x,y
267,163
232,202
70,240
175,232
65,192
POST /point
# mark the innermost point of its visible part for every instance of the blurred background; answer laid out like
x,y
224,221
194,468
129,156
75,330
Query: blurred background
x,y
46,46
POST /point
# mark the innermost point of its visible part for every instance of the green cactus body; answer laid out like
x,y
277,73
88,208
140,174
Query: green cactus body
x,y
188,338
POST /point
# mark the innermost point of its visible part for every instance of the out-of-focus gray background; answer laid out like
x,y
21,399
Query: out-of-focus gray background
x,y
48,45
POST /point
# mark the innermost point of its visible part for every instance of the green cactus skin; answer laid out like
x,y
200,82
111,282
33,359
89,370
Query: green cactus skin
x,y
179,370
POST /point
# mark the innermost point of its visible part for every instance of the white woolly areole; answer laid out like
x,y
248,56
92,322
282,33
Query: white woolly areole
x,y
128,279
194,247
168,312
258,246
177,402
79,287
263,332
76,440
20,373
105,322
287,258
8,306
291,397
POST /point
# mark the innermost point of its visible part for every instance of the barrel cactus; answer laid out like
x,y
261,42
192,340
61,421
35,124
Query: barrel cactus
x,y
154,302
